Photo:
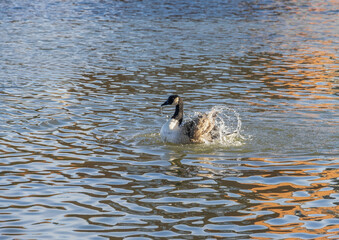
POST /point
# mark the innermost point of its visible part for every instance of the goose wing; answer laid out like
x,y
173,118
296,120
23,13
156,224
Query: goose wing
x,y
199,129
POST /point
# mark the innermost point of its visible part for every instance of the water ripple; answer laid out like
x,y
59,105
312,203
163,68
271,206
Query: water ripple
x,y
80,94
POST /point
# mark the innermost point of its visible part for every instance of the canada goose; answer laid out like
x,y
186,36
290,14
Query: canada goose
x,y
201,129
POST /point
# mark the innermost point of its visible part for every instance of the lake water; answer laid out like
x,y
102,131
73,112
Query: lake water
x,y
81,87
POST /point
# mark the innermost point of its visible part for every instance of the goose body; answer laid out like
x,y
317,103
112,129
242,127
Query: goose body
x,y
172,132
198,130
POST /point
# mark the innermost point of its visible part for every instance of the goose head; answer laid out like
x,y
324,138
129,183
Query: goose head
x,y
177,101
172,100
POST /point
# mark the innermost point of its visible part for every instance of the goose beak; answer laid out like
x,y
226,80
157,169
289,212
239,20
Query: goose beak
x,y
165,103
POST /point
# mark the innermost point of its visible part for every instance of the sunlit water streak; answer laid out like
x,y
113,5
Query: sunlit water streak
x,y
80,151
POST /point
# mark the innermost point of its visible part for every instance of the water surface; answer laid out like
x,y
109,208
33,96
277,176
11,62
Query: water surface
x,y
80,94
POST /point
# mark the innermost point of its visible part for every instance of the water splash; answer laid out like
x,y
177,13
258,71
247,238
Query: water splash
x,y
227,130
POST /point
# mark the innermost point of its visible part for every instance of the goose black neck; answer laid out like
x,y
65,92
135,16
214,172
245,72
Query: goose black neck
x,y
179,111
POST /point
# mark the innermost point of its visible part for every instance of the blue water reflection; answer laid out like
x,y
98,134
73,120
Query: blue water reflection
x,y
80,91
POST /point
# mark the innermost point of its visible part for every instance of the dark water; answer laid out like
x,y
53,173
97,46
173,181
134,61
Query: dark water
x,y
80,151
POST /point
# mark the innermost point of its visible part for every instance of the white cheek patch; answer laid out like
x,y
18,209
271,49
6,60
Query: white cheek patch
x,y
176,101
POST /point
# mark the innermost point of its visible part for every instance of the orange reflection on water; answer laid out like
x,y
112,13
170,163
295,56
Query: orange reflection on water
x,y
309,75
297,208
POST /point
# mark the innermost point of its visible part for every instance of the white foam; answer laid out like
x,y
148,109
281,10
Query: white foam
x,y
227,129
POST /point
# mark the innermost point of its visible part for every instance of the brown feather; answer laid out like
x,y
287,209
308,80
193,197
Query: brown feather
x,y
199,129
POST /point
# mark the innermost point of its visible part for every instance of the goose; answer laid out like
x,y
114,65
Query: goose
x,y
201,129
